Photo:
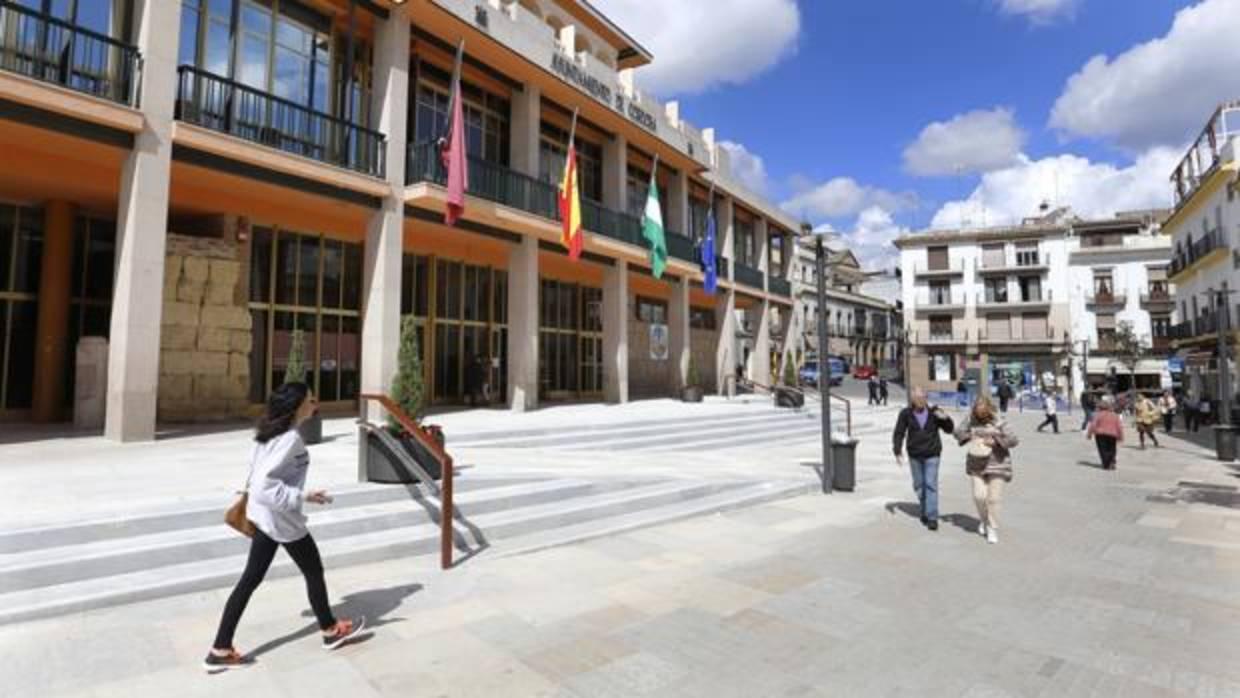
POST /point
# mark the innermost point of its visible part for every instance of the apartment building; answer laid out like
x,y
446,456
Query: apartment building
x,y
197,180
1203,229
861,327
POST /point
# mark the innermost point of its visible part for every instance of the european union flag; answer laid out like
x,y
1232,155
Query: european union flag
x,y
708,254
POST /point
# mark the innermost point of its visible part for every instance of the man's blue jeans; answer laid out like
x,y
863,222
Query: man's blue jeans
x,y
1089,417
926,485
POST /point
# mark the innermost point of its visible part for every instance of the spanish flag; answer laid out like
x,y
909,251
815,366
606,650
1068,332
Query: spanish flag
x,y
570,205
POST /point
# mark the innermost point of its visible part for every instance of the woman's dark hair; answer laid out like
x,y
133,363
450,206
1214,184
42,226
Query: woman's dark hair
x,y
281,410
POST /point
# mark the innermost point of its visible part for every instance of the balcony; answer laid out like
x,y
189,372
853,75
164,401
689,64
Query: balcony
x,y
1103,301
1157,300
1182,330
223,105
992,304
940,338
1209,247
1024,262
1204,156
780,287
937,272
748,276
939,303
1161,345
1044,335
44,48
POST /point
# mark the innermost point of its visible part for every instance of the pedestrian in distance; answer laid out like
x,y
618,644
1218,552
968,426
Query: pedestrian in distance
x,y
1107,431
882,391
962,393
1005,394
872,387
1191,420
989,441
1205,412
1147,420
276,496
1049,406
917,432
1089,404
1167,406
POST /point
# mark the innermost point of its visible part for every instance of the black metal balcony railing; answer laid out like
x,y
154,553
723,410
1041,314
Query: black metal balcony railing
x,y
1100,298
780,287
1185,258
1182,330
1156,297
1045,296
748,276
45,48
487,180
227,106
680,247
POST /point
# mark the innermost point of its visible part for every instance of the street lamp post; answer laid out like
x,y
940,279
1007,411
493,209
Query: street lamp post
x,y
824,376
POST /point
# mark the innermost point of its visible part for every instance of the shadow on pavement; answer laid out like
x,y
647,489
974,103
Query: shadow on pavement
x,y
1089,464
375,605
963,522
909,509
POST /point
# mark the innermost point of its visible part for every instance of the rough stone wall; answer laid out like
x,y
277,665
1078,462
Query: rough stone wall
x,y
704,345
204,367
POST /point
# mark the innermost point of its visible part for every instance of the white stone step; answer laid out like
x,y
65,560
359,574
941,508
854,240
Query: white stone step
x,y
404,541
67,563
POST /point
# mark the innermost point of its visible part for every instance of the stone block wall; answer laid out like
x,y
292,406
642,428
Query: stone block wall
x,y
648,378
703,345
204,368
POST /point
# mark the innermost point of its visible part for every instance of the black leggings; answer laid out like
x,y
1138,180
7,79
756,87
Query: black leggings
x,y
1106,450
1144,430
262,551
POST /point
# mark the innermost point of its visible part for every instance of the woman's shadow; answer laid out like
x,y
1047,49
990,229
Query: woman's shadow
x,y
375,605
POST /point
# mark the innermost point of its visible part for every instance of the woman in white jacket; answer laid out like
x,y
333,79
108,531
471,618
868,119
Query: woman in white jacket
x,y
277,493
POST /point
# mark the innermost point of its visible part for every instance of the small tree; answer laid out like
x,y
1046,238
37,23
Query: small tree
x,y
295,370
790,372
692,374
408,387
1130,347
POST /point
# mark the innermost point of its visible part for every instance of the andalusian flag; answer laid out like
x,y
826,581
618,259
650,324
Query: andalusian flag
x,y
652,227
570,201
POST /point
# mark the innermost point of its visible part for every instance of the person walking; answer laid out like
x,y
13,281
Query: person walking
x,y
1191,420
1049,406
882,391
1205,412
1005,394
1147,420
1167,406
1107,431
962,393
1088,405
872,387
917,432
988,462
277,493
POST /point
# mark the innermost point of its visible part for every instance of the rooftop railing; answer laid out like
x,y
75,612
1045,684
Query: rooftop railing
x,y
1204,155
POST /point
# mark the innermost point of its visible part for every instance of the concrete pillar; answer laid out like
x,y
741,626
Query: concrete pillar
x,y
568,39
616,333
680,344
51,334
678,203
760,233
523,132
760,358
523,325
616,172
725,361
141,233
385,229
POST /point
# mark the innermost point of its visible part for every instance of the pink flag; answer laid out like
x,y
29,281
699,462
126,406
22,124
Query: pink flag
x,y
453,149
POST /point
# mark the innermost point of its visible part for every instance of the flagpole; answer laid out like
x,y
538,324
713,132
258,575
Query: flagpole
x,y
654,168
572,131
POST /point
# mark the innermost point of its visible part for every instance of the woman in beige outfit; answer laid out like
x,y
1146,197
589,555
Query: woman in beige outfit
x,y
989,442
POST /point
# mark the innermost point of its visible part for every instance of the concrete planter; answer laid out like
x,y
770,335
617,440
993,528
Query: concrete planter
x,y
691,394
788,397
383,467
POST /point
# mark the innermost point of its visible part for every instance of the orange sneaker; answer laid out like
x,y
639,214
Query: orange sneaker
x,y
343,631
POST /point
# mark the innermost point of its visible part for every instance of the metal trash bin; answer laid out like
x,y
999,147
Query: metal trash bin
x,y
1225,442
844,460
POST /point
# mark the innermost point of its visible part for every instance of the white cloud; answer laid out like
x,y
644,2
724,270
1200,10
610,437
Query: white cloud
x,y
1092,189
747,168
1160,92
870,239
843,196
1039,12
977,141
700,44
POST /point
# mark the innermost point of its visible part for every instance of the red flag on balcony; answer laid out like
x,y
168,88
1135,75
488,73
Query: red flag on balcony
x,y
452,147
570,199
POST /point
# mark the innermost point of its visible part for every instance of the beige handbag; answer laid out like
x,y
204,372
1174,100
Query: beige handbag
x,y
235,516
979,449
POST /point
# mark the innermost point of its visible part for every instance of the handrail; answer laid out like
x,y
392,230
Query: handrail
x,y
841,398
446,513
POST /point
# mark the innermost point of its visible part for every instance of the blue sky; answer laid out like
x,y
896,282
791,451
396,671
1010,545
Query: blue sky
x,y
831,94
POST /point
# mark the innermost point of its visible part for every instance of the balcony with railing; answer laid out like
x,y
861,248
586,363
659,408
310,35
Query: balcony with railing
x,y
227,106
1027,335
51,50
1023,262
1182,330
1210,246
1206,153
940,302
780,287
930,271
748,276
988,302
1106,299
1158,298
941,337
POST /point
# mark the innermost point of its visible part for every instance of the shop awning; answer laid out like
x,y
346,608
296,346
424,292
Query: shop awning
x,y
1102,366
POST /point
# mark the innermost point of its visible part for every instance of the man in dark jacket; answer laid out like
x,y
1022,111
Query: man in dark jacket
x,y
1088,405
1005,394
917,431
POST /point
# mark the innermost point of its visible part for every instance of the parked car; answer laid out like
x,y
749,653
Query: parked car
x,y
864,372
808,374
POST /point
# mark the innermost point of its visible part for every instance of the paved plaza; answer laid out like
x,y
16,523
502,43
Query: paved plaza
x,y
1104,583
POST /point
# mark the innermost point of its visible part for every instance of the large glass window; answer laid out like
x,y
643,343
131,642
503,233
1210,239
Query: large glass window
x,y
552,152
21,253
743,248
486,115
570,339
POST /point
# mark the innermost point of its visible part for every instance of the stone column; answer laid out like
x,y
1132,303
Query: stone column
x,y
51,336
725,308
524,129
615,172
385,229
678,203
141,233
760,233
523,325
760,358
680,341
616,333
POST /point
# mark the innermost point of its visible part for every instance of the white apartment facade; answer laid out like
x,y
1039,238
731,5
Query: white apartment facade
x,y
1203,229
